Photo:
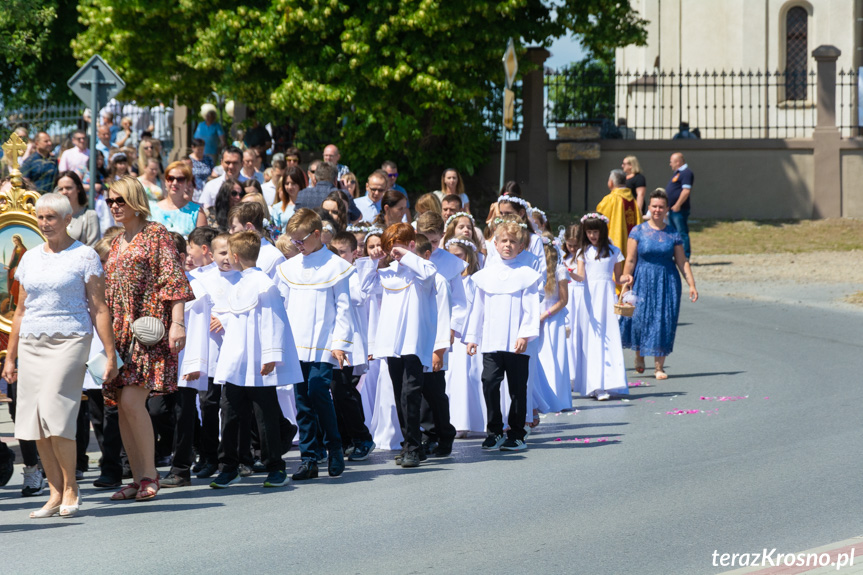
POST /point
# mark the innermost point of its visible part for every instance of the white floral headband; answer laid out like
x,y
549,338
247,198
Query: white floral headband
x,y
460,242
359,229
459,215
498,221
541,213
514,200
373,232
593,216
555,243
328,227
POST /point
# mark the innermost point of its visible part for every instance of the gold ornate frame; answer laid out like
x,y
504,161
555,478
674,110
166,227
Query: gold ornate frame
x,y
17,206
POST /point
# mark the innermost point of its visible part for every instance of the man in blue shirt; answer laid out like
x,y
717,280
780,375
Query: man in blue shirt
x,y
392,171
370,204
212,133
40,167
313,196
679,189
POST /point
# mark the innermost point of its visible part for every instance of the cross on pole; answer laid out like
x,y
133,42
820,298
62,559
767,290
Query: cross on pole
x,y
13,148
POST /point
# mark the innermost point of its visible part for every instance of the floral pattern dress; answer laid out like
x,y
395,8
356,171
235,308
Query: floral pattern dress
x,y
143,280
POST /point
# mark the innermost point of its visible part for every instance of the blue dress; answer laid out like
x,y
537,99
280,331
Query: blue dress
x,y
652,328
182,221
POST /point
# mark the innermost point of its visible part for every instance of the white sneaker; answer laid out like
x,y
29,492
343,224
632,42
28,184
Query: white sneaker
x,y
34,483
602,396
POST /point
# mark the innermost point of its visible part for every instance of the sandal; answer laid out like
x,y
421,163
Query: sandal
x,y
126,492
639,365
149,489
659,374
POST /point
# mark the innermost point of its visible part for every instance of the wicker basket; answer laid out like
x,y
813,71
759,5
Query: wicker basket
x,y
624,309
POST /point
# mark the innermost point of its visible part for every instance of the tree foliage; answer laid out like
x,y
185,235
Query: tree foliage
x,y
582,92
36,60
400,79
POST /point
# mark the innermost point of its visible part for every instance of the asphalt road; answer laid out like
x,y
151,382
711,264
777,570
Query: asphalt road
x,y
651,493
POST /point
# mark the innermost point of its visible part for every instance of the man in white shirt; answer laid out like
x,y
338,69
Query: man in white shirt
x,y
370,204
248,171
77,157
231,163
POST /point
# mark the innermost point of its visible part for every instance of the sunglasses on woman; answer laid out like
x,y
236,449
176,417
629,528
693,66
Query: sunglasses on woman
x,y
236,194
178,179
111,202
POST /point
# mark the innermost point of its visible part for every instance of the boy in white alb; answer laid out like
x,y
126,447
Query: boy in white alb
x,y
503,319
249,216
209,251
258,354
438,431
406,329
348,402
316,290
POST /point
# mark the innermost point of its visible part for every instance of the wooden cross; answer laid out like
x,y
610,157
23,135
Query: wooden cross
x,y
13,148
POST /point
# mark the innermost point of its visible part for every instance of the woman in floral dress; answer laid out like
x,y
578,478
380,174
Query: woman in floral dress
x,y
144,278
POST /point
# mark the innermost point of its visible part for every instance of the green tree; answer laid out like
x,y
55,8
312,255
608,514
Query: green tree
x,y
400,79
582,91
37,59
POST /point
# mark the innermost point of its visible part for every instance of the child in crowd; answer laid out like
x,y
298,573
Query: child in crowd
x,y
462,225
438,431
249,216
217,280
288,249
346,398
599,263
577,320
316,291
405,335
257,355
463,379
503,319
553,383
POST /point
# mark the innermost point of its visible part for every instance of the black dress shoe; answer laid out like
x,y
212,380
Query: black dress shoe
x,y
429,446
208,470
107,482
336,463
444,449
175,481
308,470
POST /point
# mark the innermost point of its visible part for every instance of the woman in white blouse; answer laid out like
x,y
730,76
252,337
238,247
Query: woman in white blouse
x,y
60,298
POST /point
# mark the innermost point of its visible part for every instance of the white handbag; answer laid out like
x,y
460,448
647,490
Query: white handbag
x,y
148,331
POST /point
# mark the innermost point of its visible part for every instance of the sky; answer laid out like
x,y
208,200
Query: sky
x,y
564,51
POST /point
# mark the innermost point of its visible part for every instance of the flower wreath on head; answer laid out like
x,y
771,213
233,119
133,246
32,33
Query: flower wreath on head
x,y
328,227
593,216
515,200
459,215
373,232
555,243
359,229
532,211
498,221
461,242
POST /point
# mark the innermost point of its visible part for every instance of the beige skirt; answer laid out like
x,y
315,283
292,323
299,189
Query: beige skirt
x,y
50,379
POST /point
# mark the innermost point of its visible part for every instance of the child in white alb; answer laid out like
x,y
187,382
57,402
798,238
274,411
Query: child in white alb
x,y
502,320
258,354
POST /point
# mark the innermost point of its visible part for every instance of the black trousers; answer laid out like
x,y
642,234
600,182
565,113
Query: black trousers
x,y
28,448
516,368
349,407
82,436
162,415
407,375
185,415
434,410
265,404
106,426
209,443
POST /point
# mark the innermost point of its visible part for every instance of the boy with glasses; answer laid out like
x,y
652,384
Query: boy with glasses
x,y
316,291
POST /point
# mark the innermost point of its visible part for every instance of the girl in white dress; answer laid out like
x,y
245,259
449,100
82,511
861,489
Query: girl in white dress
x,y
553,383
464,377
577,318
599,263
461,225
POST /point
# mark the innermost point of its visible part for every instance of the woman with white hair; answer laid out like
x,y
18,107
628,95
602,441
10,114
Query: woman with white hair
x,y
60,299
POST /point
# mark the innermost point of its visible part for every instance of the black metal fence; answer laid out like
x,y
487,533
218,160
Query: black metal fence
x,y
735,105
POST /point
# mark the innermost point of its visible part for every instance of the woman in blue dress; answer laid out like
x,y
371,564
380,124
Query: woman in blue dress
x,y
176,211
654,256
